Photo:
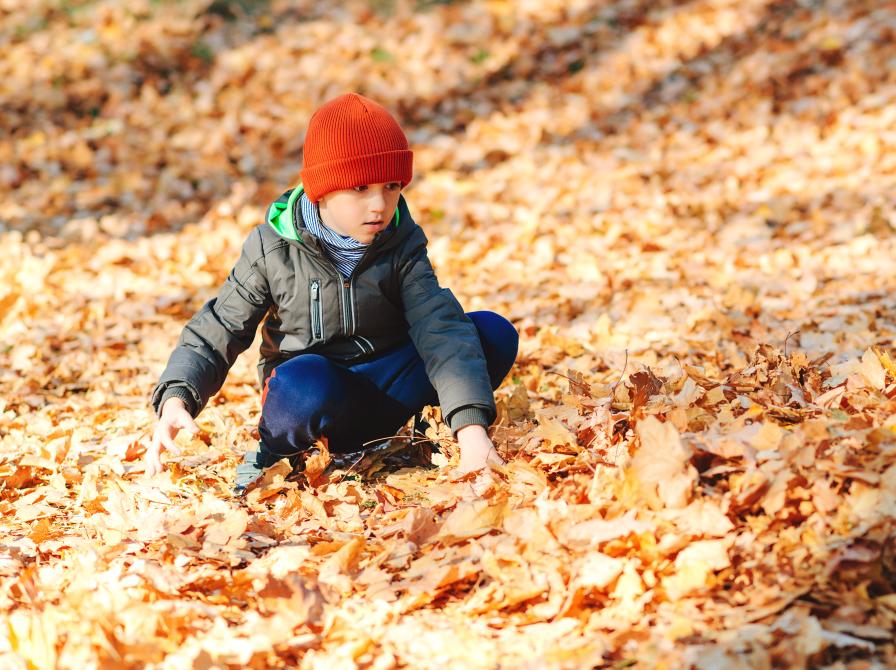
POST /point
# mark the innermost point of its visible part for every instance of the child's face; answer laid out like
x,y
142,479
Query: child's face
x,y
360,212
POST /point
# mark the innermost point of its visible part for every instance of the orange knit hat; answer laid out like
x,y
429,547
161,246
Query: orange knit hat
x,y
351,140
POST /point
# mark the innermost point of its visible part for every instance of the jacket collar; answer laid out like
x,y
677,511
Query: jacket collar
x,y
284,215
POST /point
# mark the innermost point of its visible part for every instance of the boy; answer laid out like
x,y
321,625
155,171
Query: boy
x,y
358,335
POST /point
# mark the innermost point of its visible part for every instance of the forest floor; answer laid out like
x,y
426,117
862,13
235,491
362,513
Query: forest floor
x,y
685,207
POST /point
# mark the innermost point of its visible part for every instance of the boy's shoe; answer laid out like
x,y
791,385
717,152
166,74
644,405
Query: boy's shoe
x,y
254,463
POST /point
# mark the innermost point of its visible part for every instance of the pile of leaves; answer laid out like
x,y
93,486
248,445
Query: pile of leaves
x,y
685,207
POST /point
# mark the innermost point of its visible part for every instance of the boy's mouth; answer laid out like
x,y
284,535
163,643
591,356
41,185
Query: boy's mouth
x,y
372,223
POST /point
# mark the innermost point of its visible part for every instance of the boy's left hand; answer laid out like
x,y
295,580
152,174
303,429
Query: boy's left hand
x,y
476,449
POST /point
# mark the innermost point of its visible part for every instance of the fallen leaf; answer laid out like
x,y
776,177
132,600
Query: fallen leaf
x,y
470,519
661,464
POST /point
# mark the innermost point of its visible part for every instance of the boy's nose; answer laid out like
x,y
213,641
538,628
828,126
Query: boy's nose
x,y
377,203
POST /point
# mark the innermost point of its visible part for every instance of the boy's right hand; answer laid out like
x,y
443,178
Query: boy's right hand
x,y
174,418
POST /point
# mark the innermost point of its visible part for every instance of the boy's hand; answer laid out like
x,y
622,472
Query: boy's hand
x,y
174,418
476,449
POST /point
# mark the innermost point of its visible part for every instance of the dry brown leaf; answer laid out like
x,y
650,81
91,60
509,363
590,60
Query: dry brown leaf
x,y
318,462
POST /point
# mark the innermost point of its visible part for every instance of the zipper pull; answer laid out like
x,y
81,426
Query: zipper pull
x,y
315,291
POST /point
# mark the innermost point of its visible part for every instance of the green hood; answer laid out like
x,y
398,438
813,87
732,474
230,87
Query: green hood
x,y
280,216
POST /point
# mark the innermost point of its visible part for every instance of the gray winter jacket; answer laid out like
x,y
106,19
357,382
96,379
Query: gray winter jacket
x,y
284,277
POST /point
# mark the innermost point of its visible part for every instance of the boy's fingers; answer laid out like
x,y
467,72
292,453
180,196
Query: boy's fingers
x,y
190,425
150,468
151,464
168,441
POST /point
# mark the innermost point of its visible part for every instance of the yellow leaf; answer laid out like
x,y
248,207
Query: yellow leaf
x,y
661,465
712,553
629,585
888,363
335,571
872,370
701,517
552,458
471,518
343,560
680,626
767,437
694,565
688,579
597,570
555,433
586,534
831,399
831,43
230,528
33,636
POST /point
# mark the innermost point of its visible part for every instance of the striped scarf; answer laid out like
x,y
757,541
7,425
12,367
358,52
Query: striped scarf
x,y
344,251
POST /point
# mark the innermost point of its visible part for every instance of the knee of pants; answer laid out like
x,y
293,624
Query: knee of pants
x,y
500,343
299,388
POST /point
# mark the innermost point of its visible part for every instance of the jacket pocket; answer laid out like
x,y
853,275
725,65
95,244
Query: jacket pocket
x,y
317,327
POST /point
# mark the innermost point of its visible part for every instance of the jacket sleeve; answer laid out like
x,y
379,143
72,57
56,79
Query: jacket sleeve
x,y
446,338
219,332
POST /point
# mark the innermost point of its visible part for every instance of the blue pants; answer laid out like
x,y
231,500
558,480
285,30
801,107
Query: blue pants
x,y
310,396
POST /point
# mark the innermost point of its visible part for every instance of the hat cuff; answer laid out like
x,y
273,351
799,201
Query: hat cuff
x,y
356,171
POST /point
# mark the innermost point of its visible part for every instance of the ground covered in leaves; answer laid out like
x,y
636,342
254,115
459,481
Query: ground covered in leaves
x,y
686,207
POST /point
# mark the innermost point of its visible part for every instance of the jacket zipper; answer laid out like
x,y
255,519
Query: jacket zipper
x,y
351,292
316,312
360,339
347,306
350,317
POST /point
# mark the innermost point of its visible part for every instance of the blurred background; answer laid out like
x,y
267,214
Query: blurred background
x,y
677,178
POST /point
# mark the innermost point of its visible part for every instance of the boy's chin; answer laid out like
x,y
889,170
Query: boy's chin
x,y
366,236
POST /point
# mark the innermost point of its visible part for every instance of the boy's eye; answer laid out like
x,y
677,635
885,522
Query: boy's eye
x,y
391,186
